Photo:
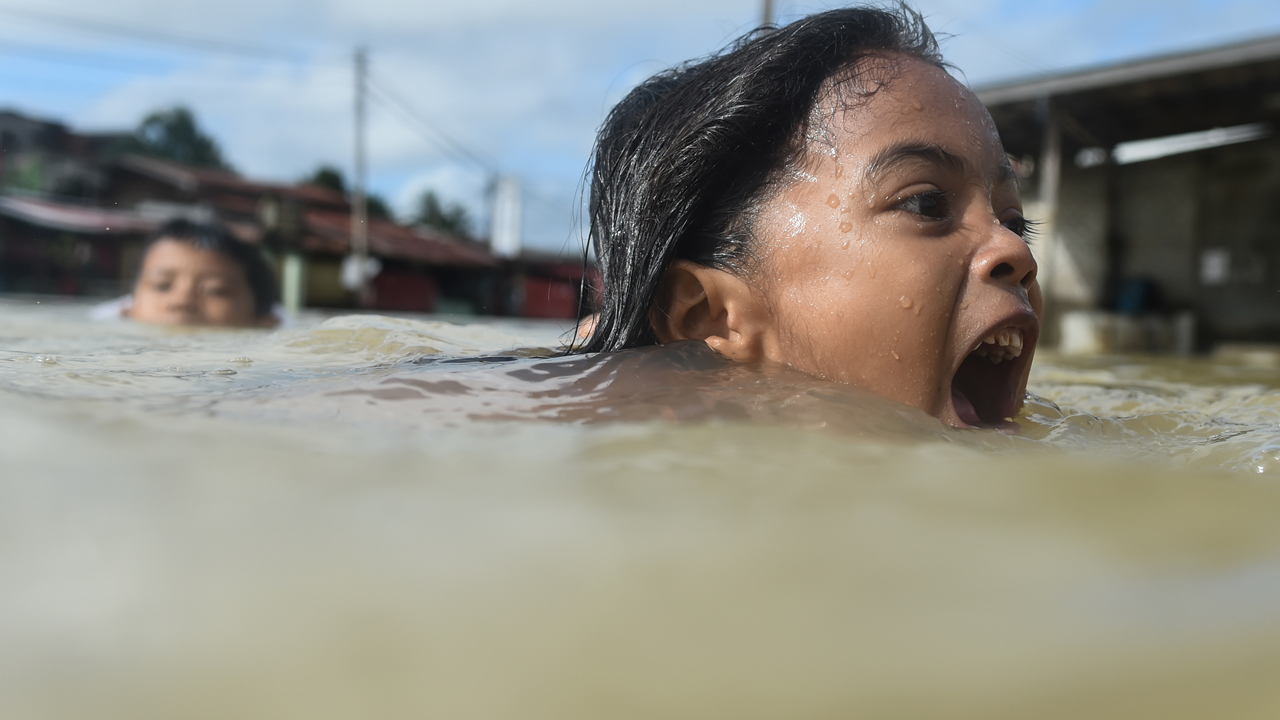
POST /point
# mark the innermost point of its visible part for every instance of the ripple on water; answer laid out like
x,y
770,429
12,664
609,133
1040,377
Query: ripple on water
x,y
424,519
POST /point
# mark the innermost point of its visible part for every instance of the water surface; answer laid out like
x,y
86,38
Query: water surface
x,y
391,517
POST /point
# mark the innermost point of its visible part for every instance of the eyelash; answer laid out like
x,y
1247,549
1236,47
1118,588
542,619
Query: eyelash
x,y
937,198
1020,226
1023,228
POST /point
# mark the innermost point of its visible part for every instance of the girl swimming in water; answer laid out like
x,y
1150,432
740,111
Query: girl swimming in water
x,y
823,195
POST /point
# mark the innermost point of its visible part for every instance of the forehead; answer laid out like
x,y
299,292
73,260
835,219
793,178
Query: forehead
x,y
889,99
178,255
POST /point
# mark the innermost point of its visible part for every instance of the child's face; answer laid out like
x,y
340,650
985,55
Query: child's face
x,y
181,284
898,252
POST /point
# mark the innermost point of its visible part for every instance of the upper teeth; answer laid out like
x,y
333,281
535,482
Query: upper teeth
x,y
1004,345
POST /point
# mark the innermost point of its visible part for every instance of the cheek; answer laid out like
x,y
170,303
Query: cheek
x,y
146,298
870,316
221,307
235,308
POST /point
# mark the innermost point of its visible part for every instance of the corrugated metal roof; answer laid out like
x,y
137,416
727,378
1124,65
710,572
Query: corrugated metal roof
x,y
1253,51
75,218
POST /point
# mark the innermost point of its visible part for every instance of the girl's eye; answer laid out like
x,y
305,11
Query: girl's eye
x,y
1022,227
931,204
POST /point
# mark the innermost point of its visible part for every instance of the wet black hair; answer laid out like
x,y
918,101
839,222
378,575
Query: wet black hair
x,y
215,237
682,161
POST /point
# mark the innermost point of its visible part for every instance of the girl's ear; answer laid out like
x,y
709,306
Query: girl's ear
x,y
695,302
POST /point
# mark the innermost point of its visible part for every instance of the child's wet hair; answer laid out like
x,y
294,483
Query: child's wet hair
x,y
215,237
684,159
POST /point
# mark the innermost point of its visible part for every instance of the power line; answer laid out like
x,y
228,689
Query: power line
x,y
427,135
50,54
101,27
437,136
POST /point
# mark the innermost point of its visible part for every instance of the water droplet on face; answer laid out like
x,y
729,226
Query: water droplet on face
x,y
844,245
834,200
839,171
905,302
846,227
916,104
895,355
964,305
871,270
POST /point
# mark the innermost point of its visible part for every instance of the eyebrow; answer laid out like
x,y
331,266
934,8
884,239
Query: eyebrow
x,y
896,156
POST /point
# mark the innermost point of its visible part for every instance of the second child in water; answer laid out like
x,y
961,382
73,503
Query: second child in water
x,y
823,195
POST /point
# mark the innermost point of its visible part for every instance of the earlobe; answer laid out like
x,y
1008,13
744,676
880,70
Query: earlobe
x,y
695,302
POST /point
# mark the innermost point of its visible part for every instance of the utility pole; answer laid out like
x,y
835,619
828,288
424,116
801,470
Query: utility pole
x,y
766,14
358,276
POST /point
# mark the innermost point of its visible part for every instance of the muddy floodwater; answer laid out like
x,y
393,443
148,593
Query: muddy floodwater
x,y
375,517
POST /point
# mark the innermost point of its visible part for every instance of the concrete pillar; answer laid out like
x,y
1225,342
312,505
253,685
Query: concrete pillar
x,y
293,282
504,235
1050,185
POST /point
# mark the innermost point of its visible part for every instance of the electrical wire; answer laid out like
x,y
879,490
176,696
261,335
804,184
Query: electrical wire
x,y
381,91
59,56
437,137
103,27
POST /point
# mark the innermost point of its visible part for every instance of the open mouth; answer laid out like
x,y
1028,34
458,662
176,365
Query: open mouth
x,y
986,390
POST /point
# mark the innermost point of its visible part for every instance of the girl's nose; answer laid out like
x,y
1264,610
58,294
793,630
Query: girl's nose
x,y
1005,258
183,295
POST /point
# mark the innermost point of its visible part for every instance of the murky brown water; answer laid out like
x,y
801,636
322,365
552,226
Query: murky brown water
x,y
376,517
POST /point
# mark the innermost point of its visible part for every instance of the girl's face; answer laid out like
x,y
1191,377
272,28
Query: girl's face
x,y
181,284
897,261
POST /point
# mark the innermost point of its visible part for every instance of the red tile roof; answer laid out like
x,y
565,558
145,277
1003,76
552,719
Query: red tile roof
x,y
327,216
193,179
330,232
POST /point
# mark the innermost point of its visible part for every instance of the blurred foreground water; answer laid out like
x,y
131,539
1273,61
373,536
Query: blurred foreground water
x,y
379,517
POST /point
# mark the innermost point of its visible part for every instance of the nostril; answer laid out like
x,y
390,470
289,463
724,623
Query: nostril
x,y
1027,279
1001,271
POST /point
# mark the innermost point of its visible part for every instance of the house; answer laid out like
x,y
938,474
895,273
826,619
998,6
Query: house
x,y
74,212
1158,181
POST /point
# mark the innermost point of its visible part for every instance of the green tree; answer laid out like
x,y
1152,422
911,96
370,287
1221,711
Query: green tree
x,y
173,134
451,217
377,207
328,176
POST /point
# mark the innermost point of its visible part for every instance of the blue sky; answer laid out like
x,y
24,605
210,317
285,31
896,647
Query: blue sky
x,y
522,86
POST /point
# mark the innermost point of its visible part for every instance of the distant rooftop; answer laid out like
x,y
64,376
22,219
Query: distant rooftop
x,y
1193,91
1133,71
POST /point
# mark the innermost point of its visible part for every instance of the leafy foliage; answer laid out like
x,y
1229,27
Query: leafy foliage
x,y
377,207
328,176
451,217
173,134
